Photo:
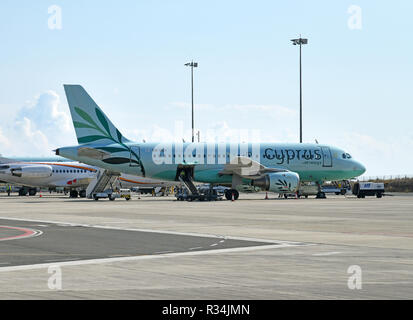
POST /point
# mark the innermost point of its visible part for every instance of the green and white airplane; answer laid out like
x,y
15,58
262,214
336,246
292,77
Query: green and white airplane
x,y
274,167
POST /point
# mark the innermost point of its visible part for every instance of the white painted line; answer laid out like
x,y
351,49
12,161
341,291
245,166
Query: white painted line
x,y
163,232
29,233
213,245
146,257
326,253
195,248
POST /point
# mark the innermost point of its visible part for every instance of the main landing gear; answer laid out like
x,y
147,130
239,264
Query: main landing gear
x,y
25,190
320,193
231,194
75,194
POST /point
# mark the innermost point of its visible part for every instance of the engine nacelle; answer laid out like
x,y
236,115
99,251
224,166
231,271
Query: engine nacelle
x,y
279,182
40,171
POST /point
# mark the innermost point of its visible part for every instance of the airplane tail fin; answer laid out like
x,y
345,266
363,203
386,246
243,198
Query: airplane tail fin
x,y
91,124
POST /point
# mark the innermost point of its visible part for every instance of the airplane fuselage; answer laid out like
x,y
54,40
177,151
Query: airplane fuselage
x,y
47,174
312,162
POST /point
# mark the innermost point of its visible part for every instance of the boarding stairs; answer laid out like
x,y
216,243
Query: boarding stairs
x,y
100,182
189,184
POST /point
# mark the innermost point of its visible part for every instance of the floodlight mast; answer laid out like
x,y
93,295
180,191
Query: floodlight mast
x,y
192,65
300,41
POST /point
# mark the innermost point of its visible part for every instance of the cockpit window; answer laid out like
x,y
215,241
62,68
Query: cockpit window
x,y
344,155
348,156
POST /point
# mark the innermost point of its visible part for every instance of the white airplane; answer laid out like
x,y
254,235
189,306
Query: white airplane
x,y
70,176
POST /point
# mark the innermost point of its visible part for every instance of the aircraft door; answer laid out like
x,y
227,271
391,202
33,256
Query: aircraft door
x,y
327,159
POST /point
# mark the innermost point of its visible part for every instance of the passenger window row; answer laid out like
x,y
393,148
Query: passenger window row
x,y
69,171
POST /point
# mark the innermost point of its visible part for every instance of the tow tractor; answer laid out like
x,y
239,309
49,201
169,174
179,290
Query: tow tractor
x,y
204,193
112,195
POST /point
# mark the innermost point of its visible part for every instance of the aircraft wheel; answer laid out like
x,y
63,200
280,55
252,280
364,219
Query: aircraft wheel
x,y
230,192
32,191
236,194
321,195
73,194
82,193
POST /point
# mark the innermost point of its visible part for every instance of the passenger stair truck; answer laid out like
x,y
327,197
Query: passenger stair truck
x,y
97,187
185,176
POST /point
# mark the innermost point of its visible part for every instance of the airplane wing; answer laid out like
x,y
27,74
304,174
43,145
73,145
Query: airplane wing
x,y
248,168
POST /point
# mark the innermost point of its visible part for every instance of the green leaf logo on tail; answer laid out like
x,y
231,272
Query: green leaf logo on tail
x,y
104,133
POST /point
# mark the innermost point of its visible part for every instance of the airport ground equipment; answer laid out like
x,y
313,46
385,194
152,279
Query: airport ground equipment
x,y
338,187
204,193
188,182
125,194
306,190
363,189
97,187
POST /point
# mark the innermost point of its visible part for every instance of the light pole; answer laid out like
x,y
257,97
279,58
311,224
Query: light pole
x,y
192,65
300,41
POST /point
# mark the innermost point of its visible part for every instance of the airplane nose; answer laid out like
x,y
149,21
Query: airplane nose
x,y
359,168
362,168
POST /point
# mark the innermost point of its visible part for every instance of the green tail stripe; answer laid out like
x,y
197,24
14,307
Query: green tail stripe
x,y
112,149
86,117
82,125
91,139
103,120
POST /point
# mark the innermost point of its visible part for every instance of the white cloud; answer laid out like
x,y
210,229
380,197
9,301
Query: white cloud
x,y
37,129
187,106
154,134
4,142
274,111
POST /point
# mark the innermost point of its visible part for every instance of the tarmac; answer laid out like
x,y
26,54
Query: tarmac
x,y
159,248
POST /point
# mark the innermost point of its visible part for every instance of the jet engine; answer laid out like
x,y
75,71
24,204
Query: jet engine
x,y
279,182
38,171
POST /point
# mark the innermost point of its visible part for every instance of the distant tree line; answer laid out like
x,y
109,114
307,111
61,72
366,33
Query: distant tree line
x,y
397,185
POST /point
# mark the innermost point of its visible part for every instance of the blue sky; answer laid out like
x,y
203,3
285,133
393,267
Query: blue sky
x,y
130,55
